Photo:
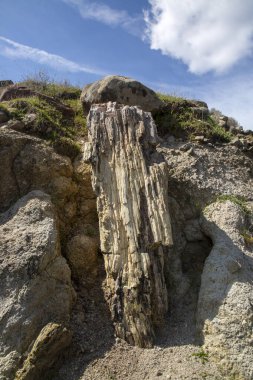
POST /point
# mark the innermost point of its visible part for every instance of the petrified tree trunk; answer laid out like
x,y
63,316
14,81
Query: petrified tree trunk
x,y
129,178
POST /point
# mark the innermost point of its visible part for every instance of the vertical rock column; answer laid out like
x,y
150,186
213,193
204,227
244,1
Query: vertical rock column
x,y
129,178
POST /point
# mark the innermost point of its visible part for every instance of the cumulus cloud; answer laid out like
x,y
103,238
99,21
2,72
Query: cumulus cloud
x,y
12,49
103,13
205,35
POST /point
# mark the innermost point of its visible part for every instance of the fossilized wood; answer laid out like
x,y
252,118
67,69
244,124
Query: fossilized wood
x,y
129,178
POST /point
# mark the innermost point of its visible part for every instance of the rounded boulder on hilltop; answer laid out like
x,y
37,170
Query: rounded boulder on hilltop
x,y
122,90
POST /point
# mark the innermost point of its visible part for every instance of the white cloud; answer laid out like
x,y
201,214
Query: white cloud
x,y
205,35
103,13
12,49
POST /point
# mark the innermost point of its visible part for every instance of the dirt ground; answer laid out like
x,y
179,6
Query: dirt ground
x,y
96,355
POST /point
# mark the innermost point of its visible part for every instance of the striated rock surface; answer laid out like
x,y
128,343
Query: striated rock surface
x,y
130,180
225,307
35,279
122,90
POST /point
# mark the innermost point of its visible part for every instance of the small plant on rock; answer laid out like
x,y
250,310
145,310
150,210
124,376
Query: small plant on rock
x,y
248,238
201,355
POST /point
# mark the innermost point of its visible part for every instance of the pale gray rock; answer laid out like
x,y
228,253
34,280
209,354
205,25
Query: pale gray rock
x,y
122,90
225,307
198,179
35,279
130,180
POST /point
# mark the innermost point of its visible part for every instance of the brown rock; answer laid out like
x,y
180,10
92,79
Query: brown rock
x,y
50,343
82,255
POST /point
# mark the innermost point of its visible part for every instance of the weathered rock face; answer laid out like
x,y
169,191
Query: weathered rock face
x,y
197,176
35,279
122,90
225,307
130,180
28,165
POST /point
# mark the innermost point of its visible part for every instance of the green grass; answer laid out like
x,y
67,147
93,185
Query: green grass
x,y
79,118
4,109
201,355
240,201
167,98
179,120
55,90
41,82
49,124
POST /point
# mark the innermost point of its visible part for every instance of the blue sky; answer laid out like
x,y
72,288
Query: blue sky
x,y
192,48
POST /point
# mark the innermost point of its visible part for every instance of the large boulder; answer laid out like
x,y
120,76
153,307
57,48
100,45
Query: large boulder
x,y
225,307
122,90
35,279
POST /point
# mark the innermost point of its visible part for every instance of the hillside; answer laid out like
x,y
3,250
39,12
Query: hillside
x,y
126,235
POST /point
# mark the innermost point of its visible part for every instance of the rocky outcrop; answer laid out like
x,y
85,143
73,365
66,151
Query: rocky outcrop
x,y
122,90
161,251
225,307
129,178
5,83
29,166
35,279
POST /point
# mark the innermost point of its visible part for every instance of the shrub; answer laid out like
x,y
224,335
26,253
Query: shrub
x,y
178,118
201,355
49,124
41,82
4,109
